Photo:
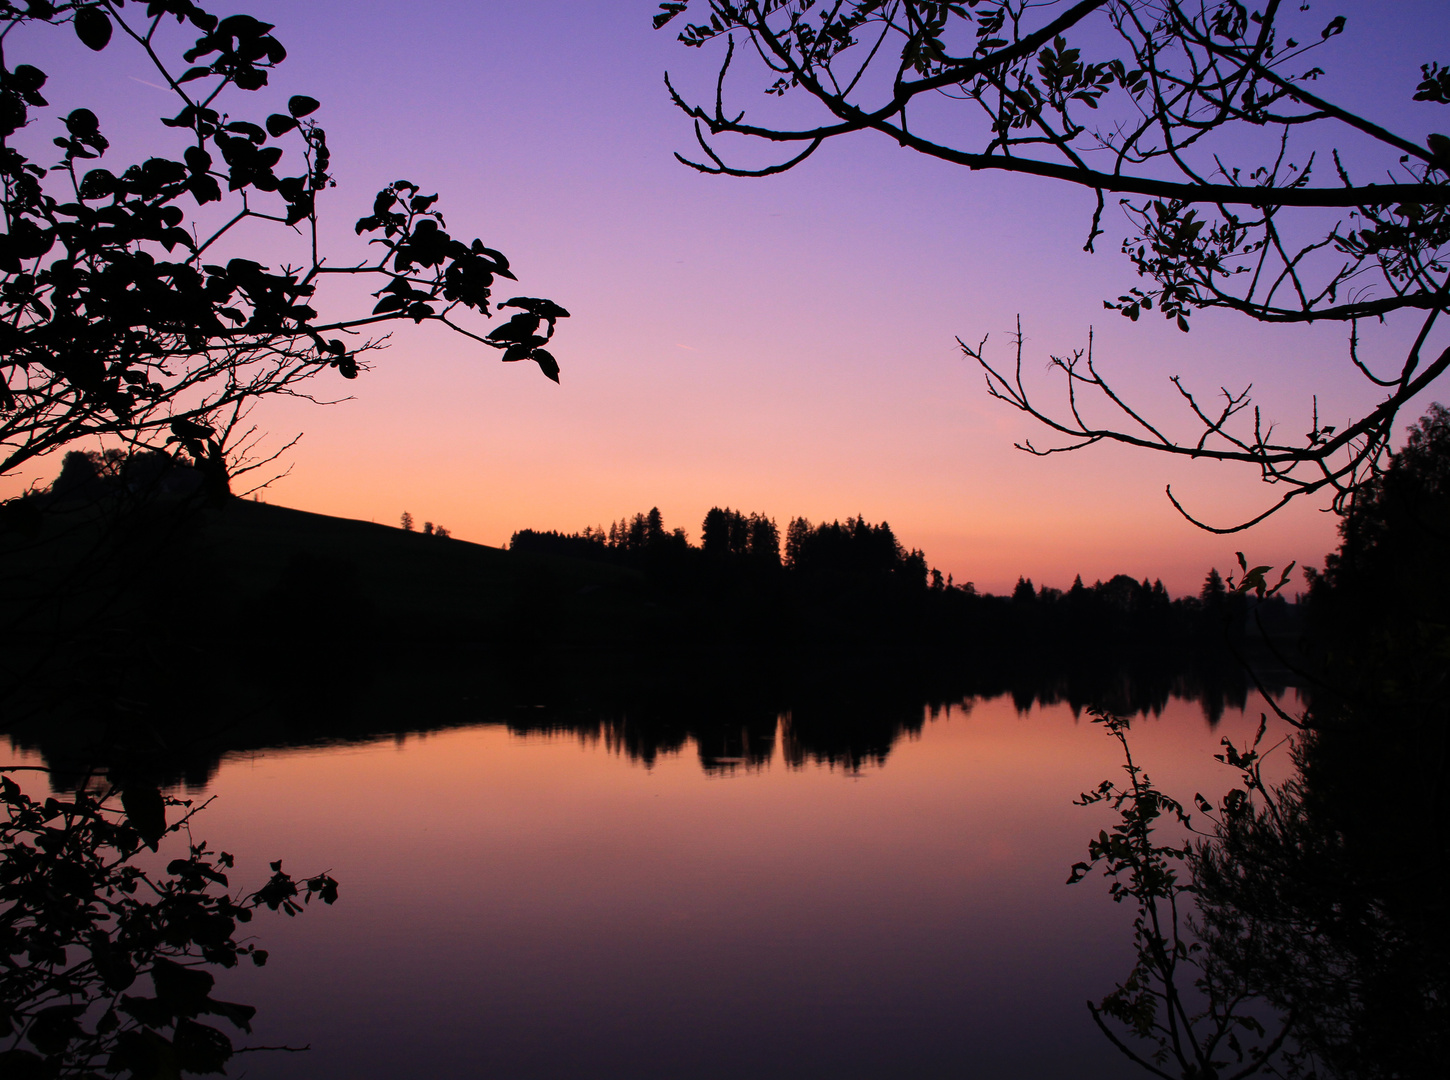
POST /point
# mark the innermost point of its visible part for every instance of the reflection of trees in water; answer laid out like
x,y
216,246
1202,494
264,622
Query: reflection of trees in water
x,y
89,922
735,719
1139,690
849,731
847,722
1331,898
1304,932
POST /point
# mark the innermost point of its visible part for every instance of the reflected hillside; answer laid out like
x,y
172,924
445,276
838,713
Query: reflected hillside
x,y
733,723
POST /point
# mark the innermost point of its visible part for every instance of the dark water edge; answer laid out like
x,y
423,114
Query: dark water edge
x,y
846,711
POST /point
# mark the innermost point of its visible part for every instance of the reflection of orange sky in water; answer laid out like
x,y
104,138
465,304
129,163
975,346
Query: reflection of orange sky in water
x,y
563,904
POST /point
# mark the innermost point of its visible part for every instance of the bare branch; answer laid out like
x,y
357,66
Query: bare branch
x,y
1153,117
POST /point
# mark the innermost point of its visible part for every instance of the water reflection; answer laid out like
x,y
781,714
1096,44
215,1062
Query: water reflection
x,y
1302,931
576,900
1330,900
846,716
540,905
842,719
109,946
843,730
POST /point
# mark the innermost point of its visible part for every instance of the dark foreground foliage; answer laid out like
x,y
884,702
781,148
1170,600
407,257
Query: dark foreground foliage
x,y
104,948
128,306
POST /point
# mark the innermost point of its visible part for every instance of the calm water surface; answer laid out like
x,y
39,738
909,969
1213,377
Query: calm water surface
x,y
541,906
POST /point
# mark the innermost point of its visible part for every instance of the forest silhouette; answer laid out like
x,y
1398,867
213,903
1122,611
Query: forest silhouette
x,y
631,630
852,589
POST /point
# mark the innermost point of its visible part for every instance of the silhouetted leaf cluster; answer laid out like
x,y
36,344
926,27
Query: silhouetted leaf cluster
x,y
119,314
105,957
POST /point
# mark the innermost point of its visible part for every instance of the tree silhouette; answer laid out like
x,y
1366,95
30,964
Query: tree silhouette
x,y
724,532
857,549
764,543
1380,609
1156,103
128,305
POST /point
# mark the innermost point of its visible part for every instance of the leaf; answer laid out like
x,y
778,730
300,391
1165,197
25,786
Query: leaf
x,y
667,12
251,131
1439,146
114,967
518,328
547,364
185,118
200,1048
143,1053
144,807
250,78
82,122
27,81
180,989
54,1028
239,1015
188,429
301,105
97,184
93,27
544,309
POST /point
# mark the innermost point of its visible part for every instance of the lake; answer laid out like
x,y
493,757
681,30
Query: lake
x,y
536,900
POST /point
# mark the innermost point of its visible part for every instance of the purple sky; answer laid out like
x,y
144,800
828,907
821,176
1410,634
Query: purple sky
x,y
783,345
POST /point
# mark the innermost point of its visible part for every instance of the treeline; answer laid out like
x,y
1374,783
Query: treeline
x,y
745,541
89,475
853,587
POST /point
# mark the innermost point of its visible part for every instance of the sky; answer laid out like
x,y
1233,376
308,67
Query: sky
x,y
784,345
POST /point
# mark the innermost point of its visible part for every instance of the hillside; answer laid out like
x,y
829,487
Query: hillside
x,y
415,586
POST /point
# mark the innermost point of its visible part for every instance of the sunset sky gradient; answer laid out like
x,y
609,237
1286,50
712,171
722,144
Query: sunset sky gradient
x,y
783,345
